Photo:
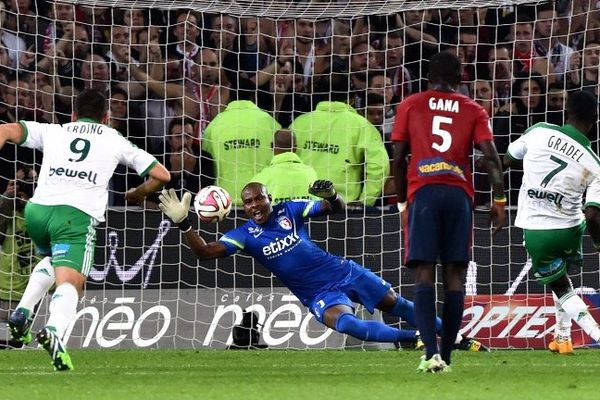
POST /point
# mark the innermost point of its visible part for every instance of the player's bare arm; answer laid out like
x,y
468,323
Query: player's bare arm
x,y
400,166
13,133
177,211
491,162
159,176
325,190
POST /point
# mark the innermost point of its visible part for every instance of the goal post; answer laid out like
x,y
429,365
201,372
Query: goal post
x,y
170,68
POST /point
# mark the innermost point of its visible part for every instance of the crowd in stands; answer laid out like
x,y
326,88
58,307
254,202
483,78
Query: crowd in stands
x,y
205,93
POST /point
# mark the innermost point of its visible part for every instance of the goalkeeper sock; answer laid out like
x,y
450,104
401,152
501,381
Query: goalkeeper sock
x,y
425,317
563,320
405,309
63,308
451,319
373,331
577,310
40,281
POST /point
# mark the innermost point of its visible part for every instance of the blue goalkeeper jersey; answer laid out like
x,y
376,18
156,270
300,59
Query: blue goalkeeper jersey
x,y
283,246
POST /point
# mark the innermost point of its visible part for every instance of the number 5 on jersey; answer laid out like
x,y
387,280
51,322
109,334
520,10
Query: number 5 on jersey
x,y
436,129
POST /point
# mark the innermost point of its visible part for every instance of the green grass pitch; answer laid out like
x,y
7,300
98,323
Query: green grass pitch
x,y
273,374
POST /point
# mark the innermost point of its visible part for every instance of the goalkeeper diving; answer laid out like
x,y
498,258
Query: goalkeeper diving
x,y
327,284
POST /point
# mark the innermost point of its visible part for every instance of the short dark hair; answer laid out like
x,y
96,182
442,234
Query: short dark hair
x,y
582,106
180,122
91,103
374,99
444,67
118,90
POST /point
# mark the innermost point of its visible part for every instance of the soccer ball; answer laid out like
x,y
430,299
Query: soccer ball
x,y
212,204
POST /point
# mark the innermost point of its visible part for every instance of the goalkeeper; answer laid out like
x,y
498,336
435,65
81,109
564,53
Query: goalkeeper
x,y
327,284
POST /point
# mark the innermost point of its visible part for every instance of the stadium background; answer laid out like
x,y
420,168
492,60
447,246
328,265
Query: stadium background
x,y
162,296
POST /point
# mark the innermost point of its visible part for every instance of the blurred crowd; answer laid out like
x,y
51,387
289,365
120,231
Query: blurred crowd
x,y
190,86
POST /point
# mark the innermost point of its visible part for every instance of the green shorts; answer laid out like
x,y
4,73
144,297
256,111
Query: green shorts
x,y
554,251
66,233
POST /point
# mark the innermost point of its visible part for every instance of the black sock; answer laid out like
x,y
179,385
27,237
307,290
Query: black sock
x,y
425,317
451,321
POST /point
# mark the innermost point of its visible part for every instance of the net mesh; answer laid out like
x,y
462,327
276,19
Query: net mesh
x,y
170,69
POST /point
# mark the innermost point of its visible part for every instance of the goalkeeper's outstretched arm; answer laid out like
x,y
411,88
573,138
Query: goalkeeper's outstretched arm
x,y
324,189
177,211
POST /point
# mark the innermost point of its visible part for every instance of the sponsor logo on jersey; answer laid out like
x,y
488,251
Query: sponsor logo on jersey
x,y
543,195
281,246
321,147
255,231
284,222
89,176
438,166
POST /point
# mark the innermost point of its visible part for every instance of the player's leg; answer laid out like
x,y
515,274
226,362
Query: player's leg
x,y
403,308
334,309
452,312
422,239
575,308
40,281
553,253
562,334
456,227
41,278
73,243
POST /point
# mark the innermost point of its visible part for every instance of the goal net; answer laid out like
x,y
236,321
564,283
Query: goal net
x,y
178,76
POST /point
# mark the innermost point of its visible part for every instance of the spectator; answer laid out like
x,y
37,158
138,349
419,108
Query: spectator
x,y
529,102
14,44
526,59
374,112
380,84
580,24
500,70
556,105
189,171
586,77
18,101
239,140
60,19
287,176
186,47
255,48
17,254
201,97
422,40
404,82
547,41
345,148
362,58
224,37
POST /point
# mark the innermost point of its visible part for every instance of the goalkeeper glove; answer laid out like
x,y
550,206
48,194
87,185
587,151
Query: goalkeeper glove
x,y
176,210
323,189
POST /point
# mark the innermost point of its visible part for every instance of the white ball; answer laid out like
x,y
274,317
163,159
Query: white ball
x,y
212,204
